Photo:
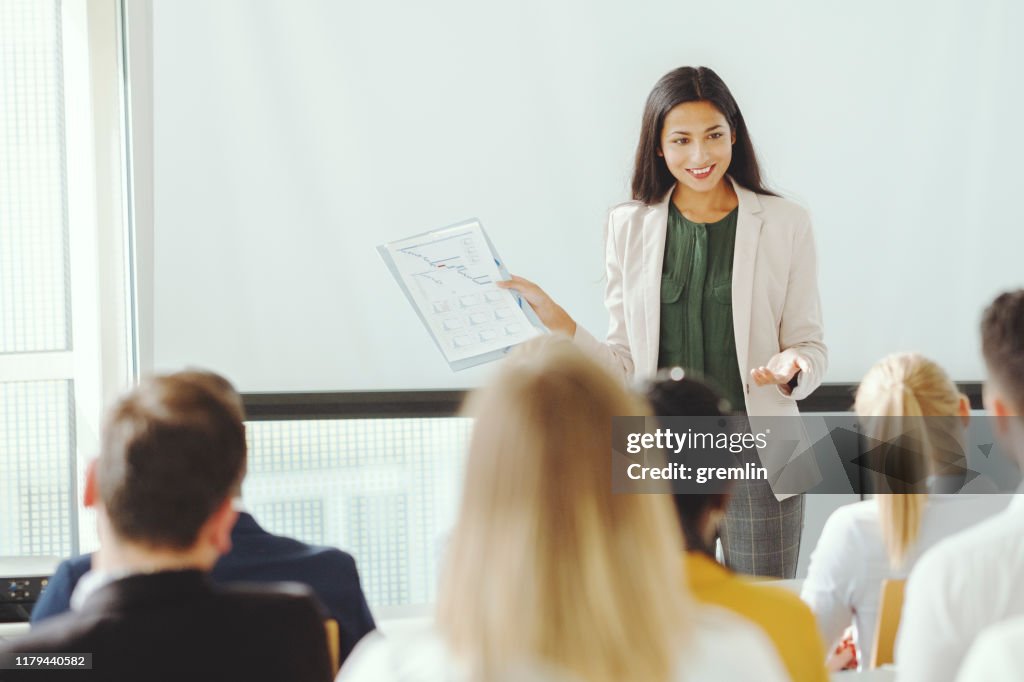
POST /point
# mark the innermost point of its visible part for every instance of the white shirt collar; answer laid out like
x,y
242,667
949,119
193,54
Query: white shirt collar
x,y
91,582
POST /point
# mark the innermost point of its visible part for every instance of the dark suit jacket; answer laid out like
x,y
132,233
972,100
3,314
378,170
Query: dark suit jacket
x,y
177,625
256,556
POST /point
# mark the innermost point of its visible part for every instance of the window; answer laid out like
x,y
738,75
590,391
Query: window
x,y
53,375
385,490
36,430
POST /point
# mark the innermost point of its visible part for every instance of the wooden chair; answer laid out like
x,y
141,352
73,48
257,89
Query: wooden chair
x,y
889,610
331,626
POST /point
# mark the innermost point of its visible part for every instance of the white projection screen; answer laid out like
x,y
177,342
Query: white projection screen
x,y
290,137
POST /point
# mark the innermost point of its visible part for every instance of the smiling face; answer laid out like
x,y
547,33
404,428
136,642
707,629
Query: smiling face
x,y
696,143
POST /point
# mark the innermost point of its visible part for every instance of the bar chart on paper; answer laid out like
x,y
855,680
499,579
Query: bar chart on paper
x,y
449,276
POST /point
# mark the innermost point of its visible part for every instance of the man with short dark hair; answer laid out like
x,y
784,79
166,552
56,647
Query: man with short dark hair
x,y
1002,344
172,452
973,579
255,556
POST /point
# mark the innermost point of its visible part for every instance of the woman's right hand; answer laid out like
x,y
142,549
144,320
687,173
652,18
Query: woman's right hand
x,y
550,313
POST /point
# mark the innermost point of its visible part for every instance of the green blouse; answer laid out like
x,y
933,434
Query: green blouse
x,y
696,303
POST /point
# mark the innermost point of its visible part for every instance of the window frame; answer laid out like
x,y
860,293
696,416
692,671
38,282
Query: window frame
x,y
100,358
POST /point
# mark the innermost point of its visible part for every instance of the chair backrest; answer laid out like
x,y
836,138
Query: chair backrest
x,y
889,611
331,626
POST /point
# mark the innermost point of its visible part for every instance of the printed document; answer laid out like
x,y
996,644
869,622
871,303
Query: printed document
x,y
449,277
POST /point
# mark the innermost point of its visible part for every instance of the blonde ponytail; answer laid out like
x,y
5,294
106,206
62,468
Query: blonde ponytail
x,y
891,400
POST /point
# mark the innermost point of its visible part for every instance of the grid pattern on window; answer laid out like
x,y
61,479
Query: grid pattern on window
x,y
34,272
305,518
36,432
379,530
387,491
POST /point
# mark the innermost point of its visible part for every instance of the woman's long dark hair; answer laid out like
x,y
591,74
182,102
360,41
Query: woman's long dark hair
x,y
686,397
651,177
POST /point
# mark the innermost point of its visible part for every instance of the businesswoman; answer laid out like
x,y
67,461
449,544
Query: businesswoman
x,y
709,270
548,574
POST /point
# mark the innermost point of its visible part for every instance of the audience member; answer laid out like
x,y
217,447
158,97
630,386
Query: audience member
x,y
546,567
994,655
255,556
172,451
973,579
867,542
780,613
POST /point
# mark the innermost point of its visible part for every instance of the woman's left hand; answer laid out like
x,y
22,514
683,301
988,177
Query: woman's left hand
x,y
781,369
845,655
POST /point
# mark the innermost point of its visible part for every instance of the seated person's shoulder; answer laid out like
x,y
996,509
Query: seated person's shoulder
x,y
849,526
773,608
418,654
854,515
337,558
974,546
70,571
282,547
56,597
328,563
790,614
987,553
75,567
716,638
780,600
993,655
715,622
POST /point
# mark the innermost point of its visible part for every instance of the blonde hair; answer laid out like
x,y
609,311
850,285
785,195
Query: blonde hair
x,y
907,385
545,564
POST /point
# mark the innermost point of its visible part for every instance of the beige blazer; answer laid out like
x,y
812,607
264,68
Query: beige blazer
x,y
775,301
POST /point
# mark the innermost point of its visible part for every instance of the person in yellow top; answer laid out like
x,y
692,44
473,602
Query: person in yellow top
x,y
781,614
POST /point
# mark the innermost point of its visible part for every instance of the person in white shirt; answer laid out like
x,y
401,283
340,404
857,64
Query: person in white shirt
x,y
548,574
995,654
864,543
973,579
721,648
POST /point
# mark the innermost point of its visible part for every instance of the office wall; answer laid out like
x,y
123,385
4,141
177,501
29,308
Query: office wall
x,y
290,138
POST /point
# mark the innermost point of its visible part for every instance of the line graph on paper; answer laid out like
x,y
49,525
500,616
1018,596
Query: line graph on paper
x,y
451,265
450,275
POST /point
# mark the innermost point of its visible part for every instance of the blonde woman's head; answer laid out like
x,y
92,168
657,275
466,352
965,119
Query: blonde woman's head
x,y
909,403
545,563
909,384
